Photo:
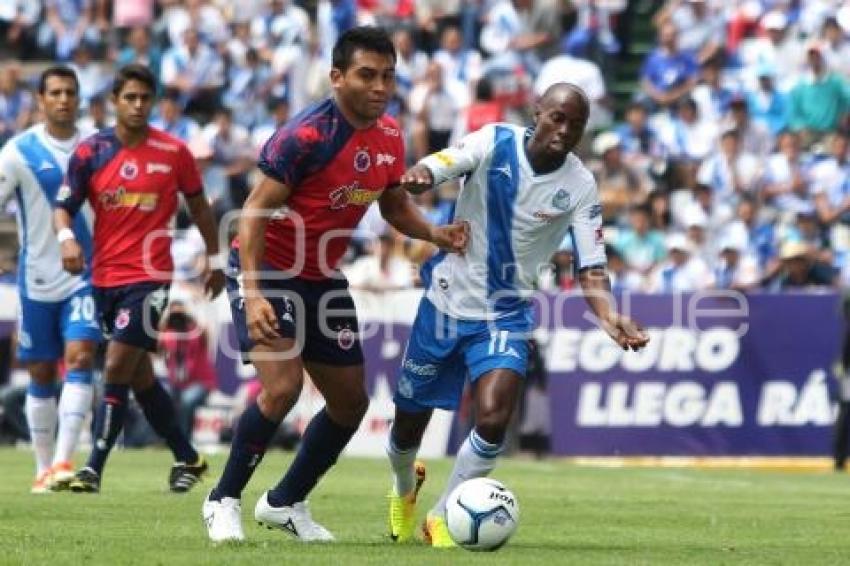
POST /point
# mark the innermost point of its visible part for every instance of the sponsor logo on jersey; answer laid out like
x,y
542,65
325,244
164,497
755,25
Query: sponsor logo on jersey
x,y
45,166
504,170
129,170
362,161
345,338
353,195
122,319
157,168
547,217
422,369
162,145
595,210
561,200
384,158
120,198
445,158
392,132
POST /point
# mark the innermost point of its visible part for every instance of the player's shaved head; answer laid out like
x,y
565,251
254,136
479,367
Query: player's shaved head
x,y
561,93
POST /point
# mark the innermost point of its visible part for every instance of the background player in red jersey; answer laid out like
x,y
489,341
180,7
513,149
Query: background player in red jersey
x,y
131,175
290,305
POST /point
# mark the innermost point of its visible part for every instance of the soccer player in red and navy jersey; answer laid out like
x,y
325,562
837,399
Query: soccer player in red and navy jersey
x,y
132,176
290,304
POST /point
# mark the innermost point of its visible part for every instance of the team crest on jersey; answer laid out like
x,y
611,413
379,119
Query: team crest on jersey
x,y
345,338
362,160
129,170
561,200
64,193
122,319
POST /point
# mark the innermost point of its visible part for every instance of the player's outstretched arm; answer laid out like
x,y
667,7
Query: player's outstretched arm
x,y
265,199
402,213
73,260
597,292
202,215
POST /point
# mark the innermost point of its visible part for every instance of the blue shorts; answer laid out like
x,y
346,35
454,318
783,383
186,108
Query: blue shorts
x,y
319,315
130,314
45,327
438,358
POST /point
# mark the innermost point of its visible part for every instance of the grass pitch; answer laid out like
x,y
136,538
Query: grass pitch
x,y
570,515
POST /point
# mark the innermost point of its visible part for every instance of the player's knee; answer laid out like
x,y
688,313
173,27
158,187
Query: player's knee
x,y
351,410
278,397
79,360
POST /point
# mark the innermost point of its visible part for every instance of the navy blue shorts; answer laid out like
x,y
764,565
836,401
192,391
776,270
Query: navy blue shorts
x,y
318,315
130,314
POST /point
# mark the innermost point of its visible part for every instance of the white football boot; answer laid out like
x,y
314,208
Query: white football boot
x,y
223,519
294,520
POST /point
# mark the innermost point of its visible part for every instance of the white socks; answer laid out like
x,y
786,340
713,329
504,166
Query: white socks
x,y
402,462
41,418
74,406
475,459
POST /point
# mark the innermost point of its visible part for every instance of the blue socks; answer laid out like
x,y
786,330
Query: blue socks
x,y
321,445
159,410
253,434
108,423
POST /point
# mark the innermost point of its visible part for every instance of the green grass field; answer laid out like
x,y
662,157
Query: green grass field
x,y
570,515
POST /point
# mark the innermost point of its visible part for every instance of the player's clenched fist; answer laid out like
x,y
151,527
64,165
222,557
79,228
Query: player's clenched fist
x,y
72,257
261,319
417,179
452,237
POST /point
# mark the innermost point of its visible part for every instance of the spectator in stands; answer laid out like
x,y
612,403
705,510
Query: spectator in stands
x,y
250,85
593,33
830,189
277,112
766,104
820,100
760,233
687,138
681,272
283,22
140,49
170,118
233,158
203,17
730,170
16,102
18,27
734,268
779,48
196,71
799,270
411,64
620,186
710,94
641,246
520,33
459,62
756,138
622,278
67,24
482,111
435,104
641,145
836,48
668,73
786,176
700,26
97,116
95,79
183,345
660,215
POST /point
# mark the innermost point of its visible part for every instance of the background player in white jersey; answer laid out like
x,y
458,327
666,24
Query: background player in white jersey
x,y
524,192
57,313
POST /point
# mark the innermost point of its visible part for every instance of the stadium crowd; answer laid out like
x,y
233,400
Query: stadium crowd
x,y
727,168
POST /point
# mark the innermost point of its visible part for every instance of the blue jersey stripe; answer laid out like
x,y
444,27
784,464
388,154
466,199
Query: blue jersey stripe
x,y
502,188
43,165
22,267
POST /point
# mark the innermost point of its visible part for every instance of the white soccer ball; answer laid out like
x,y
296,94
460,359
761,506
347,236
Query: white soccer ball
x,y
482,514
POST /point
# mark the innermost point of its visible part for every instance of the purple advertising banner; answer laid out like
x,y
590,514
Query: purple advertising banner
x,y
723,375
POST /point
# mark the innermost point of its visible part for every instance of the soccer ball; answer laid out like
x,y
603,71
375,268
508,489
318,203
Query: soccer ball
x,y
482,514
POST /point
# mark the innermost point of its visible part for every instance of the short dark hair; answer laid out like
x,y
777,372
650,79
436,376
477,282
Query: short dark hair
x,y
133,72
366,38
57,71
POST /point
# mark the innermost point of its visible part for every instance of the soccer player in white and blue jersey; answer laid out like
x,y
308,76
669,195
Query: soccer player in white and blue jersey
x,y
57,313
523,192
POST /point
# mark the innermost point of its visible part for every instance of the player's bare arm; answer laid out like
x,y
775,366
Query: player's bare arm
x,y
402,213
202,215
597,292
73,260
266,197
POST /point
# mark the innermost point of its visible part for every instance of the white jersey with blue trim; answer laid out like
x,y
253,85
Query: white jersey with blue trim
x,y
518,220
32,167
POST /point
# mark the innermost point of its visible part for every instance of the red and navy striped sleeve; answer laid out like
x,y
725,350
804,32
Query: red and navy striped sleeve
x,y
74,190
